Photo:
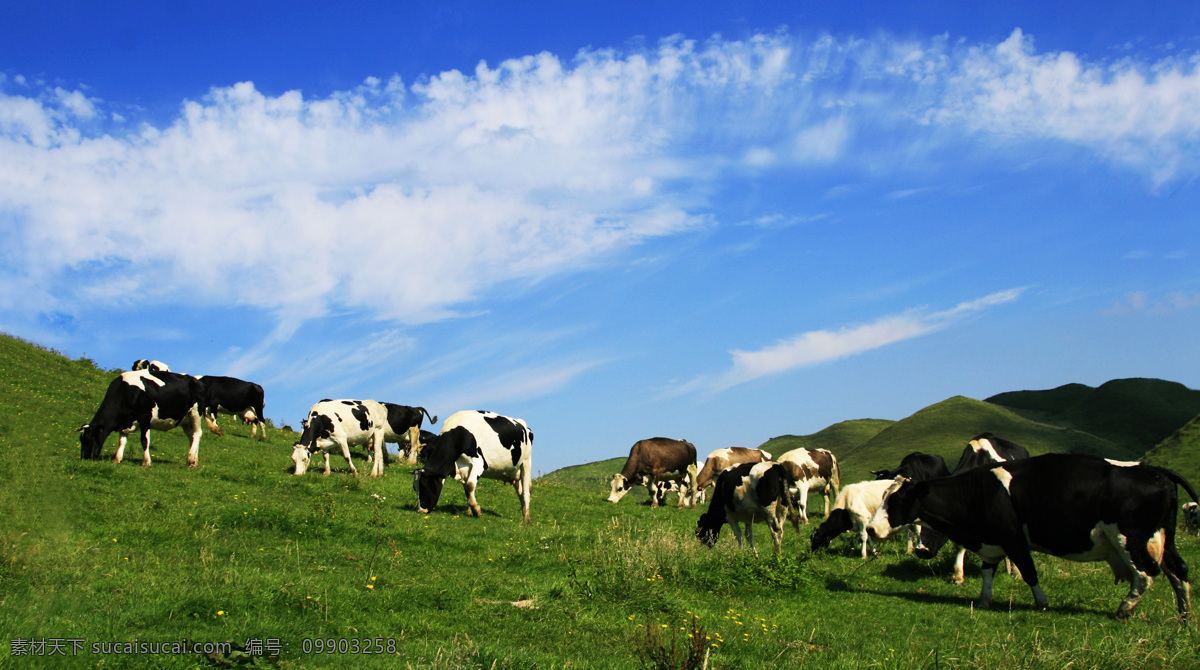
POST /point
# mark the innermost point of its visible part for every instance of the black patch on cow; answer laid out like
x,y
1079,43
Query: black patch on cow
x,y
708,527
359,411
511,434
319,427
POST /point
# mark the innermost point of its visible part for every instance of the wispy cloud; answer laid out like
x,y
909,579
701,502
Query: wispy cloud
x,y
821,346
1141,302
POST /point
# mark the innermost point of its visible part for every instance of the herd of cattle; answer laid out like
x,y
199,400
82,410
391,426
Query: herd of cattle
x,y
998,502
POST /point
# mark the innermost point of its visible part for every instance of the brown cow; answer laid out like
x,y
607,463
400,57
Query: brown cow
x,y
723,459
819,469
654,460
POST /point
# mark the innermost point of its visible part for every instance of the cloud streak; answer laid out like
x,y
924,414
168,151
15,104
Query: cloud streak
x,y
822,346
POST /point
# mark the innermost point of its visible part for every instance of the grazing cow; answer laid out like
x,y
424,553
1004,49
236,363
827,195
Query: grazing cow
x,y
984,450
143,364
1191,518
149,398
747,493
1077,507
855,506
818,473
655,460
404,428
722,459
476,444
917,467
341,424
229,395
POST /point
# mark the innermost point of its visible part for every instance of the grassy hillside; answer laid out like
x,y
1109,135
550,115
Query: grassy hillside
x,y
1180,452
239,550
1134,413
838,438
946,427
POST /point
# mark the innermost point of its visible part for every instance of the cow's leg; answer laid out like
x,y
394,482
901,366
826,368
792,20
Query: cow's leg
x,y
825,495
959,576
803,501
211,420
469,485
737,532
345,454
1020,556
866,540
191,424
985,592
523,484
776,517
750,535
1177,573
652,485
690,487
414,443
1141,567
120,448
377,447
146,448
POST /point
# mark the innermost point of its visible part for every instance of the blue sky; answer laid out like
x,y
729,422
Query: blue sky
x,y
702,220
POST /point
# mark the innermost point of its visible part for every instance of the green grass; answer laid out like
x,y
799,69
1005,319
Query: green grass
x,y
239,549
1180,452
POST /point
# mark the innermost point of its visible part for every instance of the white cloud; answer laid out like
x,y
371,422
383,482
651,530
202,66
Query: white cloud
x,y
821,346
1140,302
409,202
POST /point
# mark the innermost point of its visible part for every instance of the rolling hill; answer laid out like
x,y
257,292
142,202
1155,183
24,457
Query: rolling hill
x,y
1180,452
1134,413
945,428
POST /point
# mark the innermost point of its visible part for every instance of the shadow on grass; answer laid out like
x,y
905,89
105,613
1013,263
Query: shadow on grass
x,y
836,584
449,510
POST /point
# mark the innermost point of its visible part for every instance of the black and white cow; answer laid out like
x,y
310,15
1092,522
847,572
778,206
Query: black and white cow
x,y
333,424
1191,518
229,395
1077,507
142,400
917,467
983,450
819,473
747,493
143,364
404,428
476,444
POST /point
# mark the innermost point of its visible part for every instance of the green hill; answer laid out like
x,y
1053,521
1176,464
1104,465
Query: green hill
x,y
1180,452
838,438
946,427
1134,413
593,476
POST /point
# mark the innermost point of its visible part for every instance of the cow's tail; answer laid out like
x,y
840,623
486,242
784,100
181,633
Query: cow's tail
x,y
835,480
432,419
1178,479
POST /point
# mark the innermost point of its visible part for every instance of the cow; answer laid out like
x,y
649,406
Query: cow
x,y
143,364
148,399
747,493
476,444
404,428
723,459
341,424
983,450
917,467
654,460
855,506
1078,507
1191,518
233,396
819,473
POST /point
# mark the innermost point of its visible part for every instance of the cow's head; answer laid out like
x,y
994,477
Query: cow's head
x,y
708,528
838,522
428,488
898,507
91,440
619,487
301,456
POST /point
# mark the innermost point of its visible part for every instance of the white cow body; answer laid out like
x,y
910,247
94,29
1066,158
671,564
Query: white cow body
x,y
341,424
